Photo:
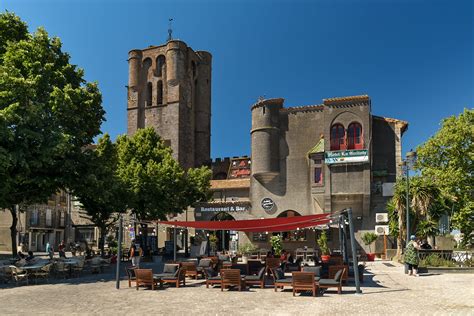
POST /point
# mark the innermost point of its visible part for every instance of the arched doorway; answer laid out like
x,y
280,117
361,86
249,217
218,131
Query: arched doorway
x,y
224,237
294,235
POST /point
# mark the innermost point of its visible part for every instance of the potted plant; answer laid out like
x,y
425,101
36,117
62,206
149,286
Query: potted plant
x,y
245,250
275,241
323,246
368,238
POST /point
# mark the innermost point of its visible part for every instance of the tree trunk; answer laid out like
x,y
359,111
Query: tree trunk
x,y
103,231
13,231
399,237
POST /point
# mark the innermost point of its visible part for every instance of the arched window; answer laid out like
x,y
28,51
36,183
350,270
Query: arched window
x,y
149,94
338,137
159,92
354,136
160,65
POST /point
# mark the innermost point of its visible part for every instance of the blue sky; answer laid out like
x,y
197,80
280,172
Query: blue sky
x,y
414,58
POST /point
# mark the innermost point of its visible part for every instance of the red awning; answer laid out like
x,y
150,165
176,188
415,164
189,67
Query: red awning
x,y
257,225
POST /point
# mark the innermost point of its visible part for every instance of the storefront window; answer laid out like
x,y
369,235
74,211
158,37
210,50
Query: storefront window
x,y
259,237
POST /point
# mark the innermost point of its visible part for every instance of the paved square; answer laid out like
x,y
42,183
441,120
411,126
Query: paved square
x,y
386,291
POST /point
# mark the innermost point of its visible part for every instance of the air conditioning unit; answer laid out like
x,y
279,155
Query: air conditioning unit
x,y
381,217
381,229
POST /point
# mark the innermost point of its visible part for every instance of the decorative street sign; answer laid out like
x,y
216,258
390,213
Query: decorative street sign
x,y
267,204
346,156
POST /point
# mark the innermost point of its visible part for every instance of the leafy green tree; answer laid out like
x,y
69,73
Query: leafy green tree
x,y
423,196
157,185
447,160
101,192
48,112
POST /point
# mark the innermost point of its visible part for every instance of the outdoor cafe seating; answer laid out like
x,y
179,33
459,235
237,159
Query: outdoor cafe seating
x,y
177,278
279,279
258,279
334,282
211,277
144,277
232,277
304,281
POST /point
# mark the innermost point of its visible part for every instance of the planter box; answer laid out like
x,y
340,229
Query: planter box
x,y
447,270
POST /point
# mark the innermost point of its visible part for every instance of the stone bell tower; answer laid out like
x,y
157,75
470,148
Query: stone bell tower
x,y
169,89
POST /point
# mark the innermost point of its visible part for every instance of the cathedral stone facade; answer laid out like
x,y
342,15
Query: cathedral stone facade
x,y
304,160
169,89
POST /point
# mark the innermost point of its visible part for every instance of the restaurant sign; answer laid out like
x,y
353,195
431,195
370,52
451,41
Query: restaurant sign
x,y
346,156
223,208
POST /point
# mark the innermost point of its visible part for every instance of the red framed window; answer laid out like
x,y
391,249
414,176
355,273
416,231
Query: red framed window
x,y
338,137
318,175
354,136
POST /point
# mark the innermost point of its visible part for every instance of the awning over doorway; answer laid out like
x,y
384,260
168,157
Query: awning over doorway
x,y
257,225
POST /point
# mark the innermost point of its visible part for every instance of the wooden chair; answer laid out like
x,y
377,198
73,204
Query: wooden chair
x,y
96,265
203,264
279,279
214,260
190,268
145,277
332,270
258,279
211,277
304,281
231,277
77,269
18,274
179,278
272,263
335,282
131,275
43,272
61,269
299,253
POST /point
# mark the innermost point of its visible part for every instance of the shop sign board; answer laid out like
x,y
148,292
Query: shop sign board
x,y
346,156
223,208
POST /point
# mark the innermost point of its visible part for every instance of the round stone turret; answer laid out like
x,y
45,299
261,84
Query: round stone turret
x,y
265,137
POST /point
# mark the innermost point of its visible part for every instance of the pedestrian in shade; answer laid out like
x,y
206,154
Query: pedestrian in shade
x,y
411,256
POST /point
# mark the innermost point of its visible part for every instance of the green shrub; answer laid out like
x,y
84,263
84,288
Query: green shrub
x,y
275,241
434,260
323,243
247,249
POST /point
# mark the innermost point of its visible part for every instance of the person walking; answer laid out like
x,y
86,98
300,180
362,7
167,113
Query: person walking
x,y
411,256
135,252
62,249
49,250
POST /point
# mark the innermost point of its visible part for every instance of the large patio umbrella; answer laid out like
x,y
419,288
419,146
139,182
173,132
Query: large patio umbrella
x,y
256,225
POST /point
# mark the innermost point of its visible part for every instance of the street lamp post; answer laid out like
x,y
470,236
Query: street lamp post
x,y
407,164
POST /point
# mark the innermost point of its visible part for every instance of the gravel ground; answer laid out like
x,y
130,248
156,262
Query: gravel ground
x,y
387,291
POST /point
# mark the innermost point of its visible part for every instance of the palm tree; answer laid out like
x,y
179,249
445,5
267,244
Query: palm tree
x,y
398,201
424,195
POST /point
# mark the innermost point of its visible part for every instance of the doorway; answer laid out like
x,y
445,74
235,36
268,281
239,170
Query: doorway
x,y
224,237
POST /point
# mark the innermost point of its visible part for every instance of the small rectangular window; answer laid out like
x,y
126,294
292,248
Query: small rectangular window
x,y
34,218
49,217
318,175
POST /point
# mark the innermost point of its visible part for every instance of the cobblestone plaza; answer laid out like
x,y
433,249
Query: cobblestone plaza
x,y
386,291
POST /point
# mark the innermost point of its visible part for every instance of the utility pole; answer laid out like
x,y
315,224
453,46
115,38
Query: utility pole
x,y
119,253
355,263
